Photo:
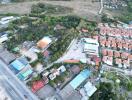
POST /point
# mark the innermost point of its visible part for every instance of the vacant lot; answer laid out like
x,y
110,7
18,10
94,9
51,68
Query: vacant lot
x,y
83,8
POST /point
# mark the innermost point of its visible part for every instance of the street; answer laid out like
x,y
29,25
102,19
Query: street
x,y
13,86
126,72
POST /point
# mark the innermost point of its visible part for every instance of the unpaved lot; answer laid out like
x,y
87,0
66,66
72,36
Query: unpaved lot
x,y
83,8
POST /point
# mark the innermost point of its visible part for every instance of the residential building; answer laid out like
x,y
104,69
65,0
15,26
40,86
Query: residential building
x,y
43,43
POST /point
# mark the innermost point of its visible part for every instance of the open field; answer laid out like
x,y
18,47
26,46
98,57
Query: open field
x,y
83,8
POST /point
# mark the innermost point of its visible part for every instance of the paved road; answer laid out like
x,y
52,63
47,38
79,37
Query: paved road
x,y
13,86
101,9
126,72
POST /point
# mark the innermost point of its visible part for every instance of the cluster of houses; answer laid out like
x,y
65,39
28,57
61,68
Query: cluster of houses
x,y
116,46
114,4
21,66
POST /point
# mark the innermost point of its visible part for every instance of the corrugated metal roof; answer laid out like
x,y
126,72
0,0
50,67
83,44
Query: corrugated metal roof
x,y
17,65
80,78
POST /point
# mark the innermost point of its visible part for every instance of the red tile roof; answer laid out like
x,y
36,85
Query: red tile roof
x,y
108,43
71,61
130,56
130,46
126,62
116,53
102,43
37,86
124,55
118,61
110,53
113,44
84,30
46,53
125,45
96,59
104,52
119,45
115,31
104,58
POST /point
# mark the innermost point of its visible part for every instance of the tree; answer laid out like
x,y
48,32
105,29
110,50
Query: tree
x,y
104,92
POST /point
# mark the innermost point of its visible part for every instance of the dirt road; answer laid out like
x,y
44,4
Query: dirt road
x,y
83,8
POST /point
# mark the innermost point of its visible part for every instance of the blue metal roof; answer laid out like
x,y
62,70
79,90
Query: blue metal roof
x,y
27,73
17,65
80,78
22,76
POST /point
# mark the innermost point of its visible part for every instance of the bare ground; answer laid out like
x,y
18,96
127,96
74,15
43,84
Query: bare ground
x,y
83,8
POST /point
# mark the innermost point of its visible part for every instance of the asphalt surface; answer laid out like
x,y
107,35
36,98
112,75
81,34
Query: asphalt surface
x,y
13,86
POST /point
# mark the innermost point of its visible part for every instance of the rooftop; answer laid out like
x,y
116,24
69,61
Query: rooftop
x,y
44,42
80,78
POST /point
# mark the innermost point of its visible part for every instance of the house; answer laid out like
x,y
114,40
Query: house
x,y
126,63
91,46
104,52
118,61
43,43
117,54
54,73
75,69
61,69
59,27
124,55
84,30
108,60
110,53
46,53
37,85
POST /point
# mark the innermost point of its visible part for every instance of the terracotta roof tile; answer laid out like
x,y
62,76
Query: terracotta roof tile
x,y
102,43
125,46
110,53
130,56
117,54
118,61
124,55
104,52
119,45
108,43
126,62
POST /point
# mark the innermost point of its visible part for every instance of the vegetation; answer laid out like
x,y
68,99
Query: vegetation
x,y
104,92
34,28
29,83
126,14
49,9
105,19
129,86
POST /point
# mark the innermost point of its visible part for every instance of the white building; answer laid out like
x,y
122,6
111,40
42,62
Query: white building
x,y
6,20
91,46
3,38
87,91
